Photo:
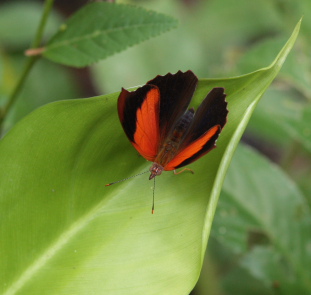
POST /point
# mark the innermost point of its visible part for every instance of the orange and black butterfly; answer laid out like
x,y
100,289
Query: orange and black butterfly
x,y
158,123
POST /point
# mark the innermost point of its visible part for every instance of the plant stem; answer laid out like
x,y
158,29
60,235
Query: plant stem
x,y
29,63
46,11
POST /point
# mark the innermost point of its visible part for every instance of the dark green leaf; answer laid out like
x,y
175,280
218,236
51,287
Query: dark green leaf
x,y
101,29
262,206
282,117
275,271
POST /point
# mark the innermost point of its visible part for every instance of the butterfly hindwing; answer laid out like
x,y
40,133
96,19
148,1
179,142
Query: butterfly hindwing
x,y
212,111
207,124
195,150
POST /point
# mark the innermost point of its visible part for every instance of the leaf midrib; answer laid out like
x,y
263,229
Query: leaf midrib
x,y
97,33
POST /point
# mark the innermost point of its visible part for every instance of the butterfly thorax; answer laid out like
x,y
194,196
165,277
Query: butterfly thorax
x,y
171,146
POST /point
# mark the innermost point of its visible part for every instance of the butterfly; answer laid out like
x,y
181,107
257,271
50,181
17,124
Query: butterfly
x,y
158,123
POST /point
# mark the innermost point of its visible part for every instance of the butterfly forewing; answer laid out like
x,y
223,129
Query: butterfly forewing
x,y
176,91
139,116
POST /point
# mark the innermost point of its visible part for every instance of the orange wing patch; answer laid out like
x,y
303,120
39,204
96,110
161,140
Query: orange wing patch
x,y
146,137
192,149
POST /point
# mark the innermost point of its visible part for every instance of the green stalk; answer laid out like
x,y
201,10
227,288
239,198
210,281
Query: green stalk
x,y
29,63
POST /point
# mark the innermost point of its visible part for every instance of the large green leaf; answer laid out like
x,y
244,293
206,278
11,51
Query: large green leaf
x,y
63,232
101,29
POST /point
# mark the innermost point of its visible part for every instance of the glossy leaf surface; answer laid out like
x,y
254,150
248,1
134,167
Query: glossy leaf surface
x,y
62,229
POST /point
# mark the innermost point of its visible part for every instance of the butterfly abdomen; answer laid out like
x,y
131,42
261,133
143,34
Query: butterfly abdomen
x,y
171,145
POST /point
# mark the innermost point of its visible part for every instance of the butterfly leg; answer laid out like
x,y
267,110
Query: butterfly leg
x,y
183,171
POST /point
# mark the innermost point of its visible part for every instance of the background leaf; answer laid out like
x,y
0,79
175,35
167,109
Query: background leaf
x,y
76,236
268,224
101,29
292,115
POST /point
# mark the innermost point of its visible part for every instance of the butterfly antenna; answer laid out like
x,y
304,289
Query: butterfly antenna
x,y
108,184
152,210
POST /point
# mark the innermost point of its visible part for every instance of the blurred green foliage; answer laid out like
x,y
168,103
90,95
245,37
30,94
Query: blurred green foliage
x,y
247,252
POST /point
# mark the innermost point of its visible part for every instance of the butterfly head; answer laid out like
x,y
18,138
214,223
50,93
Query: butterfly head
x,y
156,169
